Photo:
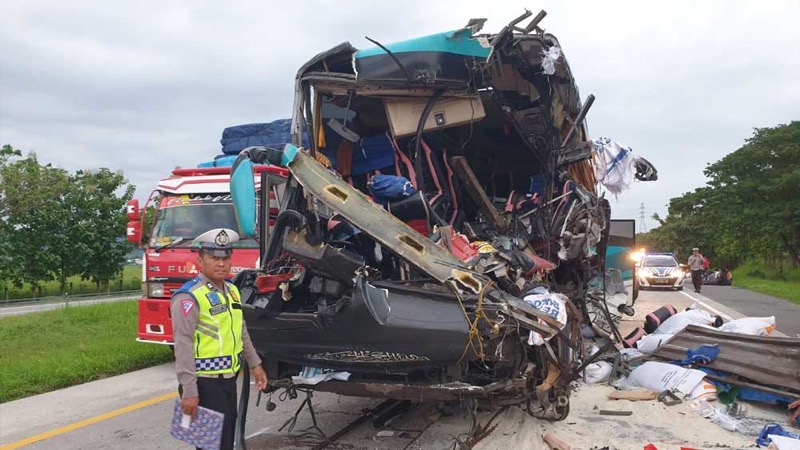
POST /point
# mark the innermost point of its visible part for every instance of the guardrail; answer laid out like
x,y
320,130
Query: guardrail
x,y
68,298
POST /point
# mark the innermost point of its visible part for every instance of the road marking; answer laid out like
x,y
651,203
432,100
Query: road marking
x,y
87,422
709,307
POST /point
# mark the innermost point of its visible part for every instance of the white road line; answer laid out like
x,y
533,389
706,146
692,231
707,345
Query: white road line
x,y
709,307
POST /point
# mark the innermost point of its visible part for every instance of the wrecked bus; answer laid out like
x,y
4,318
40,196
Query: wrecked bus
x,y
437,236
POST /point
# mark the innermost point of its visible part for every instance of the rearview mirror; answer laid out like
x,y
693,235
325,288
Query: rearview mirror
x,y
134,232
133,209
243,194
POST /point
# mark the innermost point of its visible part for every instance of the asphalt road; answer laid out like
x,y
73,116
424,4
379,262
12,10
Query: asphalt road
x,y
749,303
6,311
132,411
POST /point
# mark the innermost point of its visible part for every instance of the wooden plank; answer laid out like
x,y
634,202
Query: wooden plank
x,y
633,396
464,172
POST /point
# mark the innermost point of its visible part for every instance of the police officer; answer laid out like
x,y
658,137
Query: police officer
x,y
695,263
210,335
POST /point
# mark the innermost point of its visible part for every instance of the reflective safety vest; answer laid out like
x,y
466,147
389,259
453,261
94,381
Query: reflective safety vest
x,y
218,335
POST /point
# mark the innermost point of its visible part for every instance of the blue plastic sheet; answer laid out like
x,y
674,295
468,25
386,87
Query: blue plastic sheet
x,y
274,134
705,354
773,429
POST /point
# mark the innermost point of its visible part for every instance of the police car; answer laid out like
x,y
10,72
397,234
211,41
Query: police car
x,y
660,270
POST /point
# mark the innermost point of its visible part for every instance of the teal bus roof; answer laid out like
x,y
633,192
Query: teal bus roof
x,y
459,42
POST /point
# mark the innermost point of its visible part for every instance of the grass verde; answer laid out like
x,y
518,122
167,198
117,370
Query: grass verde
x,y
45,351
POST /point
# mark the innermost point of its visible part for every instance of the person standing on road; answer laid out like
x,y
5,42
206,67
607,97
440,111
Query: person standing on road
x,y
696,263
210,334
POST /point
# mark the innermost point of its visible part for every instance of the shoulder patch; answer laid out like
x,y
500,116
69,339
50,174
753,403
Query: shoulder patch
x,y
186,306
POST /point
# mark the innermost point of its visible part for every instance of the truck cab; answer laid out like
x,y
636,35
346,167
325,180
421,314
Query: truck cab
x,y
188,203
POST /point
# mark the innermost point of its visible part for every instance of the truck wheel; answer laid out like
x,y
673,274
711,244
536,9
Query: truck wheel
x,y
635,288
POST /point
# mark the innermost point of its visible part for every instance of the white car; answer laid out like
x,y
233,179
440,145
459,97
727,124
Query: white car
x,y
660,270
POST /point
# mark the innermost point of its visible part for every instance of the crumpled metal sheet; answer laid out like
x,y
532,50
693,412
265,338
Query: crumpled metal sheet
x,y
765,360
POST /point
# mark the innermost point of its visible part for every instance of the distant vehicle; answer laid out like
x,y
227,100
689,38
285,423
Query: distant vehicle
x,y
660,270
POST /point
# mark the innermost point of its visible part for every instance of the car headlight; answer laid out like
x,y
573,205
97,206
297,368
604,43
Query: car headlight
x,y
155,290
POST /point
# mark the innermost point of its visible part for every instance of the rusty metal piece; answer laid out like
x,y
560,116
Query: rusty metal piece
x,y
767,360
669,398
608,412
422,393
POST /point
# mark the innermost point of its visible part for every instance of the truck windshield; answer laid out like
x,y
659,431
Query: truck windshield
x,y
185,217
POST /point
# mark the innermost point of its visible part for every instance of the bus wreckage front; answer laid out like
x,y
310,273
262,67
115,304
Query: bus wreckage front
x,y
438,231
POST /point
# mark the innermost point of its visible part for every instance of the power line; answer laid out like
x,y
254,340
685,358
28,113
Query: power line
x,y
642,224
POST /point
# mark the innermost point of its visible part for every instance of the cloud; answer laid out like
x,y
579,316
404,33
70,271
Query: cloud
x,y
146,86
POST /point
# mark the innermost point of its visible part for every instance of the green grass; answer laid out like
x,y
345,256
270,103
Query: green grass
x,y
129,279
42,352
769,280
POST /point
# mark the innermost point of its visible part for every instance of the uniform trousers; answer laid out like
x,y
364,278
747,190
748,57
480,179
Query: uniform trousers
x,y
219,394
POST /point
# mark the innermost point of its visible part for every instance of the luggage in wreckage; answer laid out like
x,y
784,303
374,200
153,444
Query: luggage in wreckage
x,y
657,317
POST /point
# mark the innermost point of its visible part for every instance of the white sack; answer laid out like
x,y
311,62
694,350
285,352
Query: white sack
x,y
652,342
598,372
658,376
554,305
756,326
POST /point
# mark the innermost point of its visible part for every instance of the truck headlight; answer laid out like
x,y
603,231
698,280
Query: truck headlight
x,y
155,290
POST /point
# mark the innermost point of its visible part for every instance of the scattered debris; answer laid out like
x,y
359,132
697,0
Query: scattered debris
x,y
606,412
555,443
634,396
669,398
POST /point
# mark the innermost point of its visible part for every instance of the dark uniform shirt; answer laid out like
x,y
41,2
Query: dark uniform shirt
x,y
183,326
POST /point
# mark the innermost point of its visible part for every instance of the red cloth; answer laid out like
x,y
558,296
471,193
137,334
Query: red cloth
x,y
706,263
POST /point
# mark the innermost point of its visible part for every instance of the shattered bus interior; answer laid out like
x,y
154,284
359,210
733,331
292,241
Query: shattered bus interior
x,y
437,236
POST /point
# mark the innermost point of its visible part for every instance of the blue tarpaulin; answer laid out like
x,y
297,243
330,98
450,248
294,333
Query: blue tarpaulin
x,y
274,134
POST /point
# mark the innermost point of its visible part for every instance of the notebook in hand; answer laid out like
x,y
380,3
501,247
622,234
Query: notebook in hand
x,y
204,431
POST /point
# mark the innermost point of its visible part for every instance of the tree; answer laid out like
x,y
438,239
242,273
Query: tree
x,y
99,198
750,206
7,272
55,224
759,190
35,218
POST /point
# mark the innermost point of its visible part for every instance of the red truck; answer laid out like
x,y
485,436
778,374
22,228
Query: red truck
x,y
187,203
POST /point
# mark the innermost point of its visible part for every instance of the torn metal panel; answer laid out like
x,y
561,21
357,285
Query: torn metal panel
x,y
374,220
767,360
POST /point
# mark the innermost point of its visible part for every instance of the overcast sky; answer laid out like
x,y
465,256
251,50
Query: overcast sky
x,y
145,86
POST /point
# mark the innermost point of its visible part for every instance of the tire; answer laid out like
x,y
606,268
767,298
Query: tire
x,y
636,287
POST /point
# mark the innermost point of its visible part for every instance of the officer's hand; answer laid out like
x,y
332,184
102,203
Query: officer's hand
x,y
796,414
260,377
189,405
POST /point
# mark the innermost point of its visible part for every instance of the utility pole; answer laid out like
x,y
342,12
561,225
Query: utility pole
x,y
642,225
